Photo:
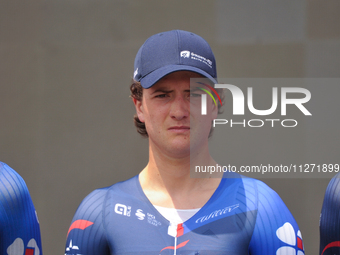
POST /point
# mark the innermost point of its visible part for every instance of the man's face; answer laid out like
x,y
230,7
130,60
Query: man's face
x,y
172,115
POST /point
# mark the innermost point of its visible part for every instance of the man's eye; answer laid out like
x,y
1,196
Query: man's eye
x,y
161,95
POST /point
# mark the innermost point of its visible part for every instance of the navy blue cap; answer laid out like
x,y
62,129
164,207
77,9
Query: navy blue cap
x,y
171,51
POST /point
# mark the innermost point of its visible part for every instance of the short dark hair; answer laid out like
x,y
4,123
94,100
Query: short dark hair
x,y
136,90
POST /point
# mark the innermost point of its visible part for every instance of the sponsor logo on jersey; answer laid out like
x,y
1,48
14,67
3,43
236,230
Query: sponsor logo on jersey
x,y
152,220
123,209
140,215
79,224
217,213
18,248
294,244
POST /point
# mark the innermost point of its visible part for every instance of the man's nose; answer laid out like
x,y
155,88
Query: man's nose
x,y
180,108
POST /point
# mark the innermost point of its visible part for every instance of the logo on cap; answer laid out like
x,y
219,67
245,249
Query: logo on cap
x,y
194,56
185,54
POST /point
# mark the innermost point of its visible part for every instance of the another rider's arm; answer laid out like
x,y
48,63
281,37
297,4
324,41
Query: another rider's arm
x,y
276,231
86,234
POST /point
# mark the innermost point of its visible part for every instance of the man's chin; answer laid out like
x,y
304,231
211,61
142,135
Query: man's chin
x,y
180,150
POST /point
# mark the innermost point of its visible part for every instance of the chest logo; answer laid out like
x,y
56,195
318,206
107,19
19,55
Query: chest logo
x,y
140,215
217,213
123,209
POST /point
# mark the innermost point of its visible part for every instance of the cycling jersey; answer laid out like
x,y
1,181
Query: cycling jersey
x,y
330,219
19,226
243,216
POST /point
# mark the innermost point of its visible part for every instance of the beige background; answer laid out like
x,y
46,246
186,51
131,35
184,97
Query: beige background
x,y
65,67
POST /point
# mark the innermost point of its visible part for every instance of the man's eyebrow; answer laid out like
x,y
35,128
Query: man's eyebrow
x,y
166,90
163,90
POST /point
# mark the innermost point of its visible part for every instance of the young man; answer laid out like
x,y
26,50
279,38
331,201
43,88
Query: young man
x,y
19,226
330,219
163,210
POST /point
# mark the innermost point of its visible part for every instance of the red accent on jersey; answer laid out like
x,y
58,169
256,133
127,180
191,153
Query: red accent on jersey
x,y
79,224
330,245
178,246
180,229
29,251
299,243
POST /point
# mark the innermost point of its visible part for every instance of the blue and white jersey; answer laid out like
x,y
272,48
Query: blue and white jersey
x,y
330,219
243,216
19,226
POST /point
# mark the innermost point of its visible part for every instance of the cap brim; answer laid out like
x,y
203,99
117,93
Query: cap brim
x,y
150,79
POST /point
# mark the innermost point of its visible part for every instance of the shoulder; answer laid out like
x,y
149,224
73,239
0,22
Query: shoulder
x,y
269,201
254,189
95,202
329,217
117,189
333,186
261,190
271,209
331,202
9,176
257,184
12,185
17,213
96,197
251,189
88,229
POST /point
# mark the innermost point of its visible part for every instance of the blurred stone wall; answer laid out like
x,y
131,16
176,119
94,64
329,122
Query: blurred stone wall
x,y
65,68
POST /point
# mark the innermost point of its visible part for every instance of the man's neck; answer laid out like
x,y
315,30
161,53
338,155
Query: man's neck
x,y
166,180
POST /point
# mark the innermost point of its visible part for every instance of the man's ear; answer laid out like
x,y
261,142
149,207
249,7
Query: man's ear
x,y
139,109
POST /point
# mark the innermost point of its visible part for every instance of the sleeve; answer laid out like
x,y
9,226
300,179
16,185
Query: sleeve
x,y
330,219
276,231
19,225
86,234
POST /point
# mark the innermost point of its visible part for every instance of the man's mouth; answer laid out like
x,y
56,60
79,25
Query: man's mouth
x,y
179,128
